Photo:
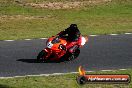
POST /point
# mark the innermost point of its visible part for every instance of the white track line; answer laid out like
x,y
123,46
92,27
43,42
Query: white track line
x,y
9,40
35,75
128,33
122,69
54,74
90,71
27,39
42,38
93,35
113,34
58,73
106,70
89,35
44,74
74,72
18,76
6,77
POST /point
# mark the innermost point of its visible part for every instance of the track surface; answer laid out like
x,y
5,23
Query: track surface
x,y
17,58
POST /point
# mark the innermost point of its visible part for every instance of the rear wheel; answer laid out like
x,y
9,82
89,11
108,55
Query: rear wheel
x,y
40,56
74,55
77,52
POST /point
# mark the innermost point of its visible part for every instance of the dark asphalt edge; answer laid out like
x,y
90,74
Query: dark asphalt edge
x,y
54,74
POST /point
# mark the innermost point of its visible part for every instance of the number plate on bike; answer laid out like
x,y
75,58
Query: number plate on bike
x,y
49,44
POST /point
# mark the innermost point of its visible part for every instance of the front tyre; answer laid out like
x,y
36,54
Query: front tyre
x,y
40,56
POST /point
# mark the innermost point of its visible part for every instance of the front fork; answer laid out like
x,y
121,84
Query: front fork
x,y
57,55
48,53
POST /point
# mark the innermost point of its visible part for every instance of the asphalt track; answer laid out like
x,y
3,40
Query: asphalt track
x,y
17,58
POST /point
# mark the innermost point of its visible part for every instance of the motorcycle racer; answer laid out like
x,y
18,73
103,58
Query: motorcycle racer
x,y
73,37
63,47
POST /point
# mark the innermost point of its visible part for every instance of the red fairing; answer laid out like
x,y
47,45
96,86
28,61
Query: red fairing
x,y
58,47
77,42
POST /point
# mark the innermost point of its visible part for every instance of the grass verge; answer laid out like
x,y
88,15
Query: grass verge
x,y
60,81
20,22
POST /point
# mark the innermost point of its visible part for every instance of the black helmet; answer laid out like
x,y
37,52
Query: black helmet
x,y
73,26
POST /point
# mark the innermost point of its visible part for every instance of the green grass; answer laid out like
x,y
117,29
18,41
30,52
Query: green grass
x,y
61,81
112,17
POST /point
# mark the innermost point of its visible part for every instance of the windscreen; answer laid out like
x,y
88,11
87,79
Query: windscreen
x,y
55,40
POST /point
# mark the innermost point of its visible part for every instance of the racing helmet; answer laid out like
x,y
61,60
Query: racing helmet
x,y
73,26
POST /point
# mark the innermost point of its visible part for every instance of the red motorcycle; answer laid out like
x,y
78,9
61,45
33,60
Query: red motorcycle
x,y
56,49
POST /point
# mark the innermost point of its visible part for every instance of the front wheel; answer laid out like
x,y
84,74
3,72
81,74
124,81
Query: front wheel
x,y
41,55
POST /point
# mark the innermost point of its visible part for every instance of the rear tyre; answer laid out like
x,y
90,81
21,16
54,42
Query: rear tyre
x,y
73,55
40,56
77,52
